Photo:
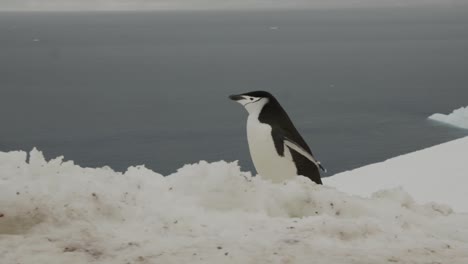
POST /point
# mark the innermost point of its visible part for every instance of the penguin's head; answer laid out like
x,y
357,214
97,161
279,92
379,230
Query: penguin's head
x,y
252,101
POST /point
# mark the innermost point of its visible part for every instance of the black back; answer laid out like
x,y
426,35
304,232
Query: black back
x,y
274,115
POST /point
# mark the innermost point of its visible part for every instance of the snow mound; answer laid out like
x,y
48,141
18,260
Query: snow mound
x,y
57,212
458,118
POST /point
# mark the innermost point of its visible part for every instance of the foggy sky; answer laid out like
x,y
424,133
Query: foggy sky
x,y
44,5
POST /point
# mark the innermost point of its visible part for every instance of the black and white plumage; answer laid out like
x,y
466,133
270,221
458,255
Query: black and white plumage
x,y
277,149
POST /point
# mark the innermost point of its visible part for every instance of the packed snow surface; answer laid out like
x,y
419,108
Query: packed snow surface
x,y
57,212
458,118
439,174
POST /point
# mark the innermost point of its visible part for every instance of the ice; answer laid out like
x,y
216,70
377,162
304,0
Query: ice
x,y
458,118
439,174
58,212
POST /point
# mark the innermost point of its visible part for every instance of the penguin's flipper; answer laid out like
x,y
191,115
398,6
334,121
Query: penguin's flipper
x,y
321,167
278,140
291,144
281,139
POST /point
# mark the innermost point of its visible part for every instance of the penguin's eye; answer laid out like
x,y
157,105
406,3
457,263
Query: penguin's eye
x,y
251,99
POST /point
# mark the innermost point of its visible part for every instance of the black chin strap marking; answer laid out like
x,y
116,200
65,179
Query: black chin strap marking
x,y
253,101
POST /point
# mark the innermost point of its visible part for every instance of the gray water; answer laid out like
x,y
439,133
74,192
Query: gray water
x,y
151,88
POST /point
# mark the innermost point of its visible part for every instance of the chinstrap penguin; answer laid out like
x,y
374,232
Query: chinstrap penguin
x,y
277,149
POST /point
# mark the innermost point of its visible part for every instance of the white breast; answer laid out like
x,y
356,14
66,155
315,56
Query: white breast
x,y
267,162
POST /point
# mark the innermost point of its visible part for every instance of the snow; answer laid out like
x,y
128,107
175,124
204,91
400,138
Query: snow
x,y
458,118
439,174
57,212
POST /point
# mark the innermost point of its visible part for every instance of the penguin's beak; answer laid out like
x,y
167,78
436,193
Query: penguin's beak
x,y
236,97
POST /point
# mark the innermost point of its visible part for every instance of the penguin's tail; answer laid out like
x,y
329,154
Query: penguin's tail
x,y
321,167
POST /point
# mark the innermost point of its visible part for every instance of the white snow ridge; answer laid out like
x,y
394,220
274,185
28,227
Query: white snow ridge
x,y
57,212
458,118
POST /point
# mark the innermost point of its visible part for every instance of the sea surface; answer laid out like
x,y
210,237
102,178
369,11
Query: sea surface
x,y
129,88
